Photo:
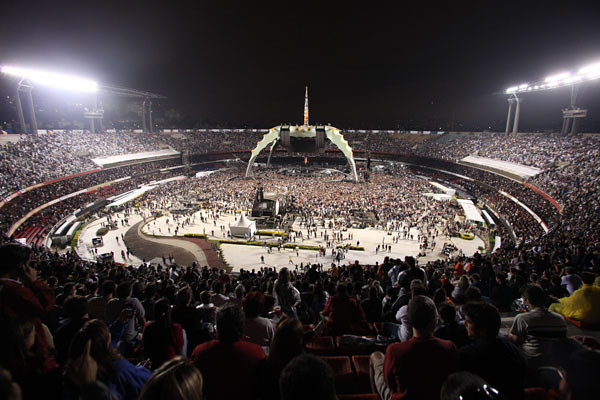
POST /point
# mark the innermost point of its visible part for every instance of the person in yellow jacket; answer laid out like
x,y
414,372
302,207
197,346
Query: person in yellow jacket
x,y
583,304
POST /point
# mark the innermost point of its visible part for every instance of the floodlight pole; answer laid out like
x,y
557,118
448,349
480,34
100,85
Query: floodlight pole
x,y
147,115
26,87
517,112
510,103
150,114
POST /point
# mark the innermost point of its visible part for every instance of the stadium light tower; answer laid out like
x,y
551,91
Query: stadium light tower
x,y
29,77
574,80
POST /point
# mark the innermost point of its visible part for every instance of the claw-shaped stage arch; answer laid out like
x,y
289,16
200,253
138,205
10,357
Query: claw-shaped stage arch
x,y
333,134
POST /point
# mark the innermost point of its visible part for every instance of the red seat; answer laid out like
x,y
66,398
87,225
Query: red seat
x,y
361,367
342,371
591,326
321,346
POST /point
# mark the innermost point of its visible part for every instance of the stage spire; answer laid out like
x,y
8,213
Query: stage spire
x,y
306,106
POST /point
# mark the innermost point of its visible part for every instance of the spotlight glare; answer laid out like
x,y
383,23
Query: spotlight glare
x,y
557,77
52,79
512,89
592,68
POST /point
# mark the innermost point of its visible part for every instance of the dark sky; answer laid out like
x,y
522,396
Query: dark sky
x,y
410,64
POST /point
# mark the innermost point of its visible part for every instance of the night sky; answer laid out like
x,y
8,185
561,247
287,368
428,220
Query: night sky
x,y
412,65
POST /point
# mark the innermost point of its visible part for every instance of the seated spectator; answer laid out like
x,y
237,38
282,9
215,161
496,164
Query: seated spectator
x,y
285,346
22,294
188,317
97,305
123,378
495,359
207,309
150,298
502,294
219,299
344,314
174,380
405,330
372,305
307,377
32,368
570,281
129,312
163,339
417,368
228,364
450,329
76,308
537,330
583,304
257,329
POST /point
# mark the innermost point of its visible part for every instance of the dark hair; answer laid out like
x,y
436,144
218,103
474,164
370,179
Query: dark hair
x,y
447,312
175,380
184,296
341,289
439,296
535,295
286,343
253,304
588,278
108,287
13,256
124,290
421,312
96,331
76,306
467,386
162,319
484,316
150,291
473,294
307,377
205,297
230,322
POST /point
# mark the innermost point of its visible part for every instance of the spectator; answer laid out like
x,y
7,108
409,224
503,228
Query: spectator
x,y
76,308
537,330
344,314
286,345
163,339
417,368
307,377
495,359
97,305
123,379
229,365
175,380
126,314
286,295
583,304
257,329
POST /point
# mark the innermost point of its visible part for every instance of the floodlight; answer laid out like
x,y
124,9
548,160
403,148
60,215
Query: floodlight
x,y
592,68
52,79
512,89
557,77
523,86
573,79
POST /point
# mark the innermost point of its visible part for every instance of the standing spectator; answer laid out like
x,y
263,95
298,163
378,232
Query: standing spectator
x,y
76,308
570,281
286,295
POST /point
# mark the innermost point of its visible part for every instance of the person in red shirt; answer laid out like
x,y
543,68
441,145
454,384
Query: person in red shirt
x,y
229,365
418,367
345,314
22,294
163,339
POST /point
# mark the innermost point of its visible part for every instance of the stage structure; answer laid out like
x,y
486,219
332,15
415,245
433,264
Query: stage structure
x,y
304,139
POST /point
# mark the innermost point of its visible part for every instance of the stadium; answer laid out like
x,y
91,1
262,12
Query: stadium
x,y
143,257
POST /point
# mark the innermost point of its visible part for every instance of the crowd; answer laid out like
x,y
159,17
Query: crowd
x,y
241,334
